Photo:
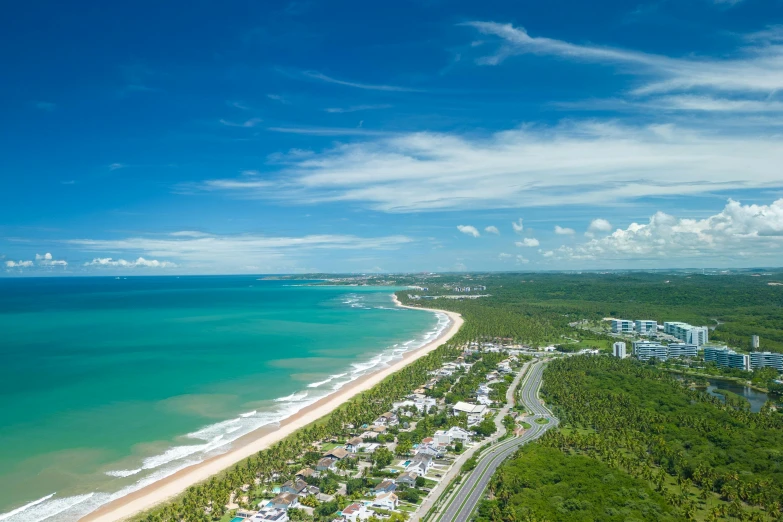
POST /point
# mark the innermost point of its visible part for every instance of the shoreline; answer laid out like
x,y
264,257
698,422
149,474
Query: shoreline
x,y
167,488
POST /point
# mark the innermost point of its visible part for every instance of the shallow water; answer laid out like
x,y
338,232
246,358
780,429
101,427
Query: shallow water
x,y
107,384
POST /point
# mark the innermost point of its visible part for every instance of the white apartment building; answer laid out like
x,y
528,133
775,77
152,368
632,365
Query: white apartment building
x,y
698,335
645,326
646,350
618,350
682,351
766,359
622,326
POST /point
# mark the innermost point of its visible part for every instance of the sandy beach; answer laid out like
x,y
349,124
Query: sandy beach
x,y
252,443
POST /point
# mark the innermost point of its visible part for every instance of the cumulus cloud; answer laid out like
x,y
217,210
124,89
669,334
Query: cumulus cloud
x,y
469,230
504,257
597,226
564,231
528,242
547,253
47,260
492,230
518,226
521,260
18,264
738,231
140,262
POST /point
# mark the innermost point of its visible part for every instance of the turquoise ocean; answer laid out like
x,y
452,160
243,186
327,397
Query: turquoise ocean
x,y
109,384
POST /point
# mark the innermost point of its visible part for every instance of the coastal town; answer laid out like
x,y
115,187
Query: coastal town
x,y
387,469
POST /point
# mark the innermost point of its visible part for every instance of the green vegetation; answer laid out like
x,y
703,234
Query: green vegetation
x,y
546,484
542,420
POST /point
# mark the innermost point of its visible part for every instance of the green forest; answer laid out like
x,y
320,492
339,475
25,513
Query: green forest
x,y
679,453
537,308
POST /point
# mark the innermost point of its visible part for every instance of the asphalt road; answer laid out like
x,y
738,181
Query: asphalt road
x,y
473,486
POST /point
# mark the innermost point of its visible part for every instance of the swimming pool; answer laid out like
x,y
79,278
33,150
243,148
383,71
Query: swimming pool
x,y
404,465
238,519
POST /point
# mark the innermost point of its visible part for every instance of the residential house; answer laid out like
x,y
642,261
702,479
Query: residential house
x,y
386,501
369,447
304,473
337,453
433,450
387,419
352,446
387,486
421,464
294,487
284,501
474,412
326,463
452,435
408,478
484,400
379,429
270,515
356,512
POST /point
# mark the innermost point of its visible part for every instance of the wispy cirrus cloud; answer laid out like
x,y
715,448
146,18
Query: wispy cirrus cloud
x,y
357,108
252,122
588,163
757,69
315,75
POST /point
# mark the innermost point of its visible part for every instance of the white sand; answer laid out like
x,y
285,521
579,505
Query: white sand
x,y
262,438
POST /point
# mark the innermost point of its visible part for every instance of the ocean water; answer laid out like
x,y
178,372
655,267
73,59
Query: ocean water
x,y
107,384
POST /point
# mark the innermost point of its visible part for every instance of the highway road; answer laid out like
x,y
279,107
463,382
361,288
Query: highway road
x,y
471,490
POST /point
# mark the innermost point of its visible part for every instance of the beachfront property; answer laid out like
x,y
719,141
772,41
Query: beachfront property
x,y
645,326
618,350
353,445
474,412
766,360
270,515
284,501
356,512
682,351
387,419
337,453
725,358
387,501
622,326
326,464
294,487
646,350
305,473
698,335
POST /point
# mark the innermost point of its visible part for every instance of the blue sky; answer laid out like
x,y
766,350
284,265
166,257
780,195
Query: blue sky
x,y
263,137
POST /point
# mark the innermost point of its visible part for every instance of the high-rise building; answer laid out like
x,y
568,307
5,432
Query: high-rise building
x,y
618,349
754,342
622,326
682,351
698,335
766,359
726,358
645,326
646,350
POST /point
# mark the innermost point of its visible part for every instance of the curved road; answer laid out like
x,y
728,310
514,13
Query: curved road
x,y
470,492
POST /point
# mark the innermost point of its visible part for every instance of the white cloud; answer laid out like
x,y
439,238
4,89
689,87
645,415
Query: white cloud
x,y
518,226
521,260
469,230
45,257
528,242
252,122
599,225
140,262
755,69
212,252
117,166
492,230
587,163
547,253
356,108
18,264
367,86
503,256
278,98
749,231
564,231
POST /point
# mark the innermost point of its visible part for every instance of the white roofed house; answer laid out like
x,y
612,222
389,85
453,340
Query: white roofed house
x,y
420,464
270,515
474,412
352,446
387,501
356,512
